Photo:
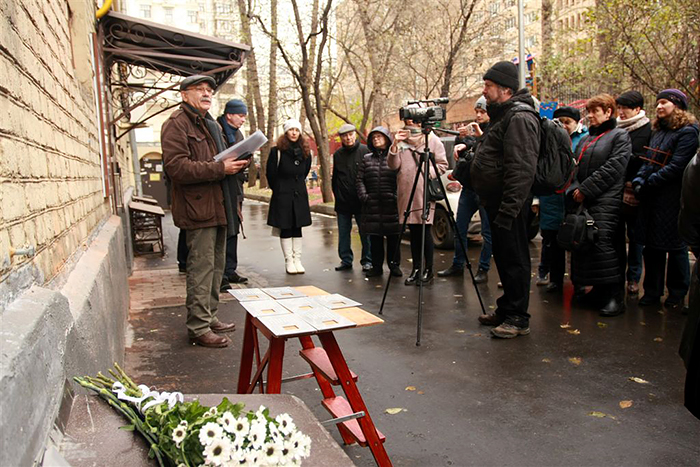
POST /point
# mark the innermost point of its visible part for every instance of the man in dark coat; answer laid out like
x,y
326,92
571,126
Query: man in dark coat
x,y
231,121
689,229
502,174
190,139
347,204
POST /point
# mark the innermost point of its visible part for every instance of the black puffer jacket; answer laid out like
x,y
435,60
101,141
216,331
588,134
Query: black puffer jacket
x,y
345,163
376,187
660,196
503,169
601,178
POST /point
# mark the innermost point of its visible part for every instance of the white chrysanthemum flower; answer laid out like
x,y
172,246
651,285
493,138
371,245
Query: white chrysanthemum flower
x,y
271,453
179,434
240,427
254,457
261,413
286,424
218,452
184,423
287,454
257,435
209,432
274,432
227,420
301,444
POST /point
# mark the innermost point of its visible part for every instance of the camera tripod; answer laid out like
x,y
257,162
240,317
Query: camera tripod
x,y
427,158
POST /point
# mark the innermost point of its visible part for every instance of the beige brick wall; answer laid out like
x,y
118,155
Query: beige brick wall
x,y
50,176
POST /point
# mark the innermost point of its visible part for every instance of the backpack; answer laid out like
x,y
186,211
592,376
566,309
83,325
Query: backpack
x,y
556,166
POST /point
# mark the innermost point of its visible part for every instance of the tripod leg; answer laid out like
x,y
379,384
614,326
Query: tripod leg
x,y
453,224
403,228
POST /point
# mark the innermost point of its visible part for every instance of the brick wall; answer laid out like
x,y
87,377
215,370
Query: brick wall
x,y
50,176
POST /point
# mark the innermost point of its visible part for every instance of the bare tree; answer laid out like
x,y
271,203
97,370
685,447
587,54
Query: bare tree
x,y
272,94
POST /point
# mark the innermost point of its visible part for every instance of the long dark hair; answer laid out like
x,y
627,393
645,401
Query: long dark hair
x,y
283,144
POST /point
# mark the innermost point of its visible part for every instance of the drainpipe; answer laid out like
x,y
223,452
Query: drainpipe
x,y
136,163
105,8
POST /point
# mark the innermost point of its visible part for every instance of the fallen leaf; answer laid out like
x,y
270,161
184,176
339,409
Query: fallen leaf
x,y
575,360
478,334
575,332
410,388
642,323
421,392
546,360
458,296
597,414
638,380
460,331
491,307
602,325
394,410
565,326
545,301
378,286
625,404
658,339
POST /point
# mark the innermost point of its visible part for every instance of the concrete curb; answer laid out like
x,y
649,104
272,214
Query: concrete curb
x,y
317,208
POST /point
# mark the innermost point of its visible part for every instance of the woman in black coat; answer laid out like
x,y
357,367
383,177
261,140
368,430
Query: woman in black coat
x,y
658,187
603,157
287,167
376,188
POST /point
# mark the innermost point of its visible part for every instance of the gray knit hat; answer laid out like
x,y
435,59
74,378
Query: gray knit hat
x,y
480,103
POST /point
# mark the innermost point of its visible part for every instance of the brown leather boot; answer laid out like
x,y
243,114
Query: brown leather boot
x,y
210,339
220,327
491,319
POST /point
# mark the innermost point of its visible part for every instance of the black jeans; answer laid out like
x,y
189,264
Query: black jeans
x,y
553,258
677,272
231,256
511,252
416,232
376,246
182,249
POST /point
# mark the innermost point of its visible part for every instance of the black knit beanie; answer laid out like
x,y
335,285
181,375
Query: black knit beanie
x,y
570,112
504,73
630,99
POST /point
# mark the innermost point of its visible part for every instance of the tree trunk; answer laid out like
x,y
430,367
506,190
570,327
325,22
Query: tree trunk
x,y
272,97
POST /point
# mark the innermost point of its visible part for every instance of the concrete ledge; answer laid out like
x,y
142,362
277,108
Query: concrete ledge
x,y
49,336
34,334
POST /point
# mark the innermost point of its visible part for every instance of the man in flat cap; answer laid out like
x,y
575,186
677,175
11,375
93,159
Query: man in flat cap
x,y
190,139
347,204
231,121
502,174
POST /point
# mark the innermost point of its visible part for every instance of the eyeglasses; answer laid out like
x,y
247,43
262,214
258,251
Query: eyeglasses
x,y
201,89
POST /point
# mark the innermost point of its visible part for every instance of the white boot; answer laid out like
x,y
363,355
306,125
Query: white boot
x,y
296,249
288,255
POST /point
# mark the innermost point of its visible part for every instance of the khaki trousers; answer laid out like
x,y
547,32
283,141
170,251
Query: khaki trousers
x,y
205,267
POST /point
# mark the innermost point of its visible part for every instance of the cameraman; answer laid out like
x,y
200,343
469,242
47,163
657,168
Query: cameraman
x,y
465,144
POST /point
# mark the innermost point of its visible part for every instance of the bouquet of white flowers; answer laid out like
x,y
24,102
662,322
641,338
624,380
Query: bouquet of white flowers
x,y
188,434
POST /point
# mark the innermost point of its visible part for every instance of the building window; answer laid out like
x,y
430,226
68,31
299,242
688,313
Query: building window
x,y
531,42
510,23
493,8
530,17
145,11
223,8
168,14
192,16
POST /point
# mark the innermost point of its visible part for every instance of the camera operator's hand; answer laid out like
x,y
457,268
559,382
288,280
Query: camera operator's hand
x,y
232,166
458,148
464,131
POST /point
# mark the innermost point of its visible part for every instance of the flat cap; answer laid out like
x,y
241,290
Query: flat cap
x,y
347,128
196,79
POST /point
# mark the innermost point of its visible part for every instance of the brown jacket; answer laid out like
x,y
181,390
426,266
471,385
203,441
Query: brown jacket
x,y
188,155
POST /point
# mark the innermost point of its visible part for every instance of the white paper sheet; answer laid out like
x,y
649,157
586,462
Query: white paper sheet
x,y
250,144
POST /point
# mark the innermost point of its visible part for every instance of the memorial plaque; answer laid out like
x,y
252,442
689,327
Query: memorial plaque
x,y
283,292
301,304
286,325
335,301
245,295
258,308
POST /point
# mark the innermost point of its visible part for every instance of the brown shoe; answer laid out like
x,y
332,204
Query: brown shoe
x,y
210,339
220,327
491,319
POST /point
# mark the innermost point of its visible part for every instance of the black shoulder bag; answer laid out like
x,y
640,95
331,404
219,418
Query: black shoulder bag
x,y
435,190
578,231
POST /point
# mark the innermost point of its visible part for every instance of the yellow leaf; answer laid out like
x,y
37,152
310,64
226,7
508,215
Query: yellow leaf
x,y
410,388
602,325
597,414
638,380
565,326
642,323
478,334
575,360
421,392
460,331
546,360
393,410
575,332
658,339
625,404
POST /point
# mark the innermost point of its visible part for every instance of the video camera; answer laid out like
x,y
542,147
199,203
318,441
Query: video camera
x,y
424,115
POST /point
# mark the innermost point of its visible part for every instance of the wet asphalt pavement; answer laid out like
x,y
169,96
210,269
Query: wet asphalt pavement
x,y
552,398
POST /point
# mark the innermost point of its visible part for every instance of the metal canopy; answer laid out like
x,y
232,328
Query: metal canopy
x,y
169,50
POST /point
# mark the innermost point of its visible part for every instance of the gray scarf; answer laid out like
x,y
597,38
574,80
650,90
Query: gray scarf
x,y
633,123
